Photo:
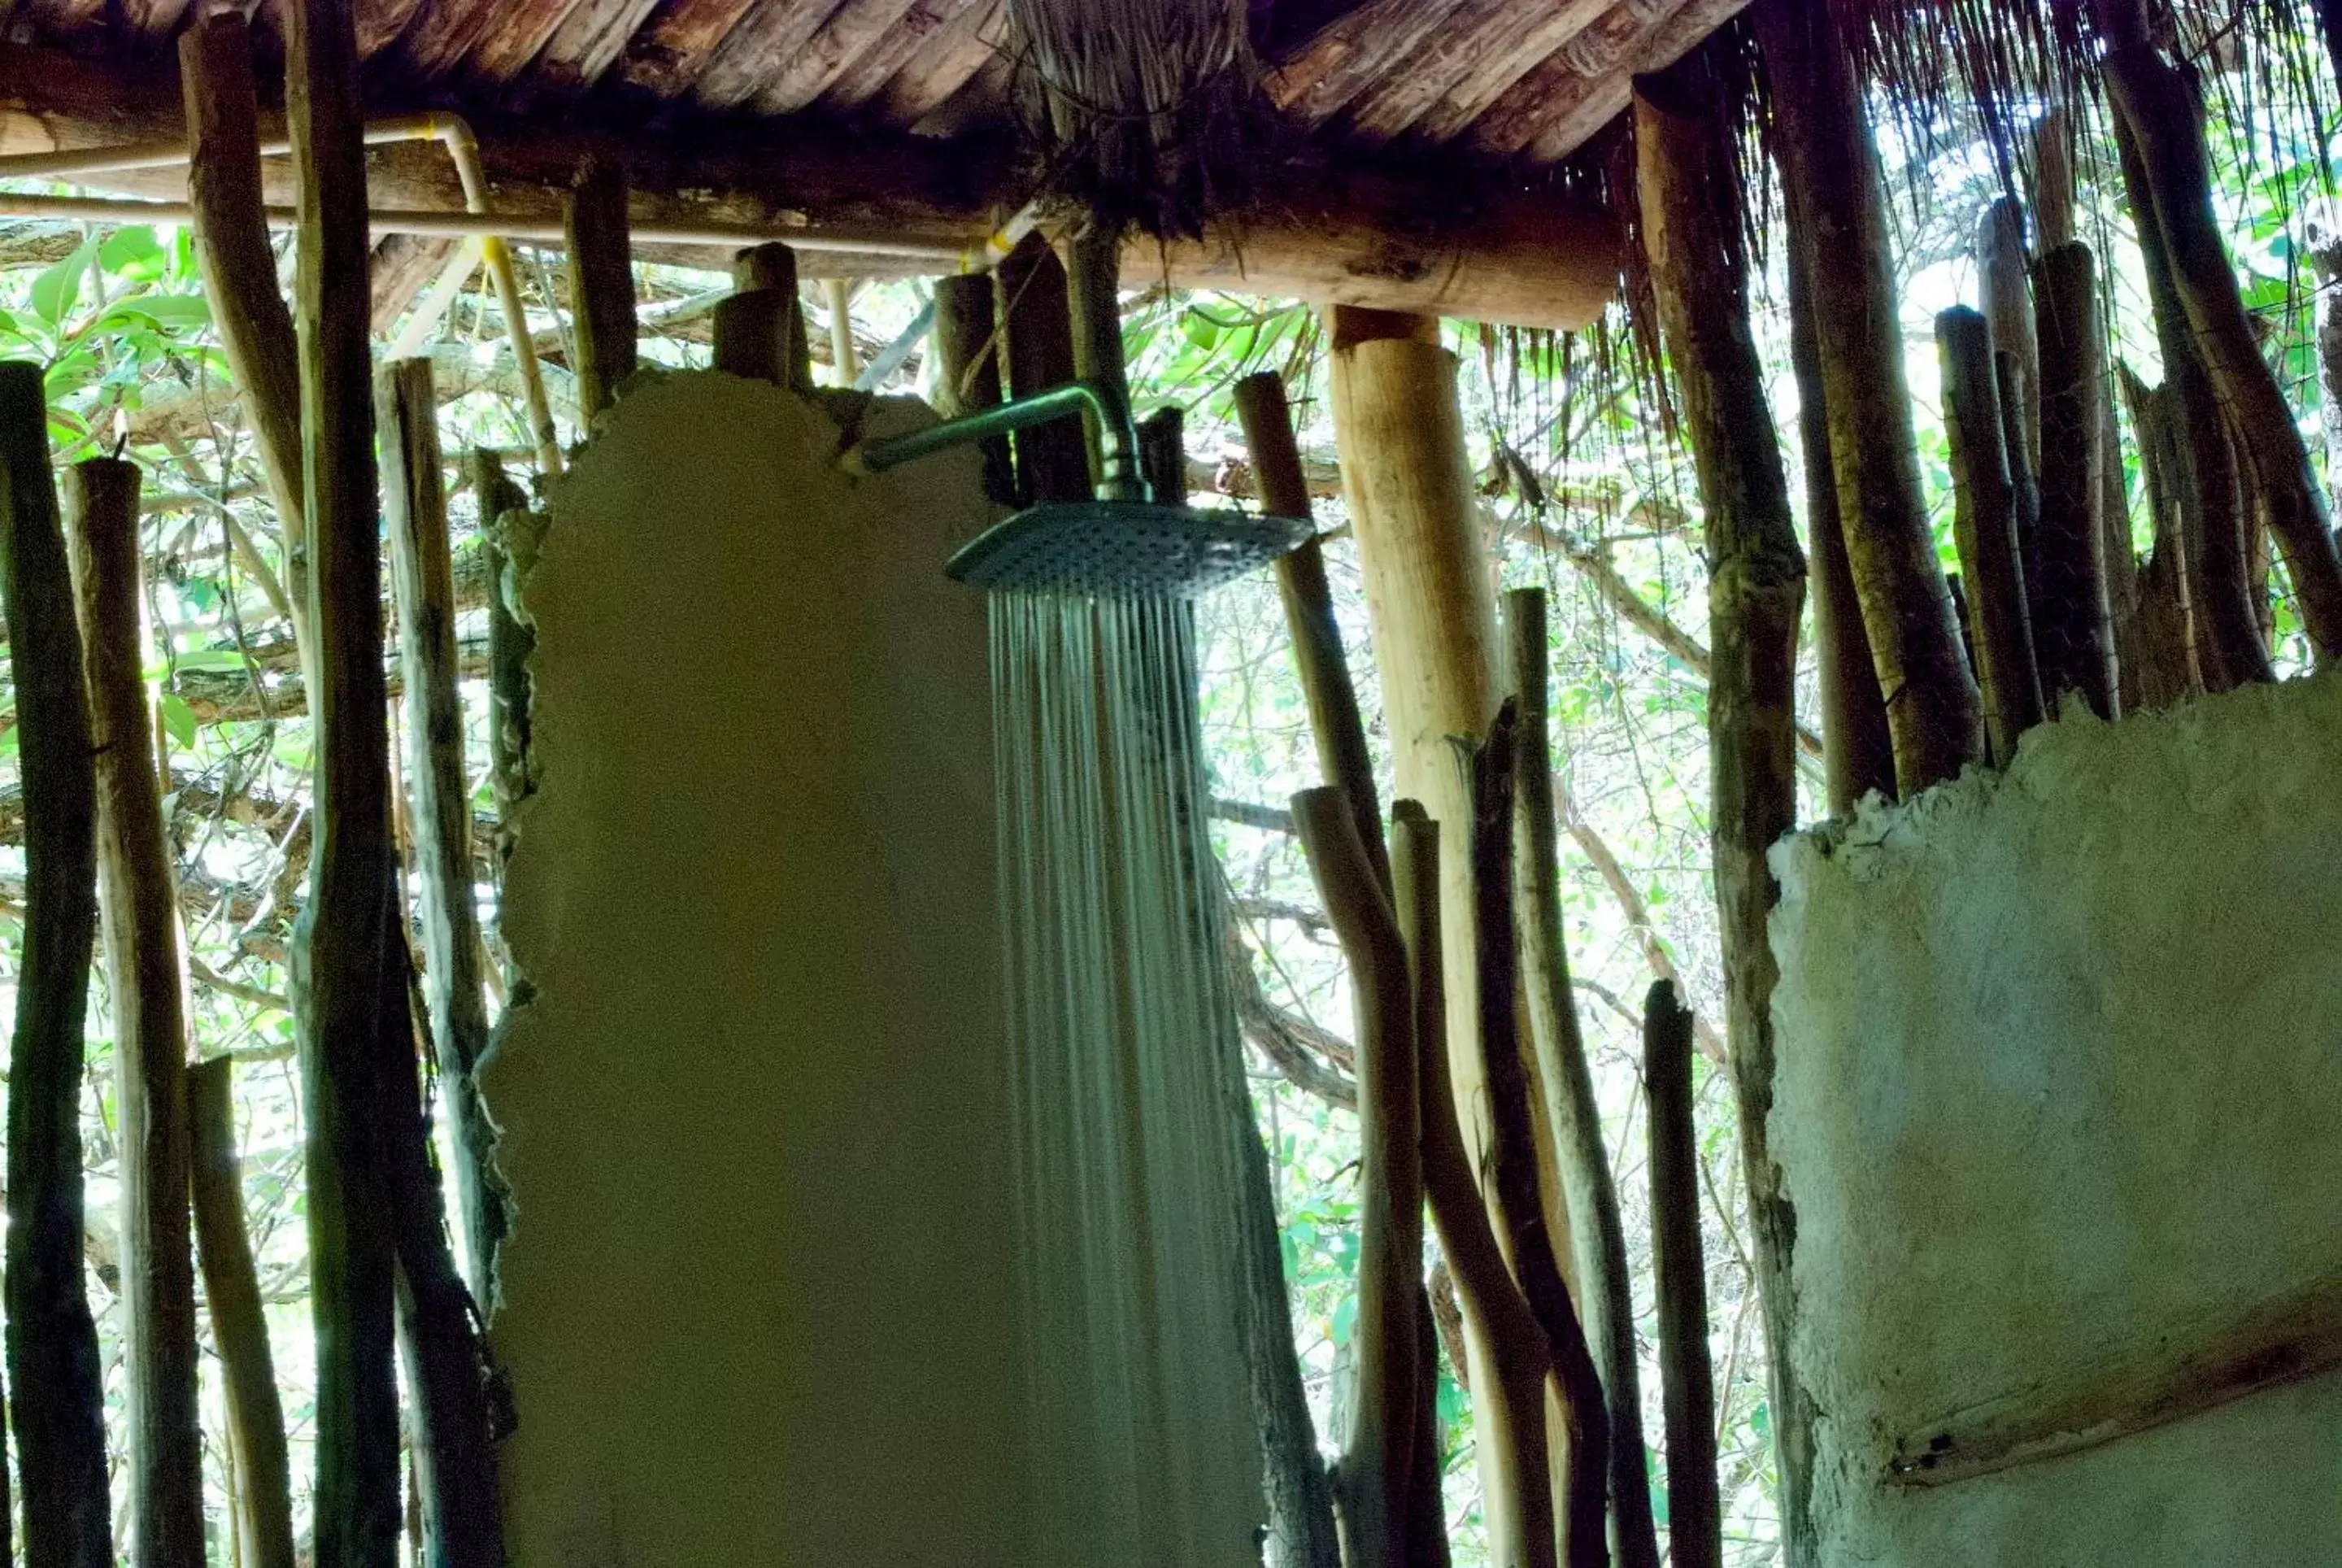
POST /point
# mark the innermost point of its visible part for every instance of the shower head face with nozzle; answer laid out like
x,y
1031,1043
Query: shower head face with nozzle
x,y
1123,548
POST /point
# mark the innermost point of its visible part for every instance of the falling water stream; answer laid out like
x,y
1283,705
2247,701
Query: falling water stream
x,y
1124,1051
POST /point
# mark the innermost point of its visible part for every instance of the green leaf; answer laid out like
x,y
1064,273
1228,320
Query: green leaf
x,y
178,718
211,659
132,253
55,291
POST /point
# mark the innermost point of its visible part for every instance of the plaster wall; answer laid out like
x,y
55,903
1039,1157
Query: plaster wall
x,y
2060,1059
755,1306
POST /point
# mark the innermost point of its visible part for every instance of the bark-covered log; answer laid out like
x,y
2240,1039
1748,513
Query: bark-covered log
x,y
1509,1418
1695,1509
2005,295
338,948
601,283
2168,669
2160,109
239,266
1756,586
774,266
263,1491
1836,208
2229,648
138,903
1857,753
1515,1176
1606,1287
2065,580
968,368
1374,1481
60,1406
1052,464
415,518
454,1448
1984,529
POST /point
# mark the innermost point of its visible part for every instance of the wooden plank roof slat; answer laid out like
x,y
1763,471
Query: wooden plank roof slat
x,y
914,43
1555,92
64,15
1318,80
1533,34
589,42
671,50
853,28
152,19
1459,54
519,31
767,34
443,34
921,87
380,22
1661,43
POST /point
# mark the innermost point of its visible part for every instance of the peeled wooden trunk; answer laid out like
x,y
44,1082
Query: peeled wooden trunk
x,y
1756,585
1835,199
1985,527
53,1360
601,283
138,900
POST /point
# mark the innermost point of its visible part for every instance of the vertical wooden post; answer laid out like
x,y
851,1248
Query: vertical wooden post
x,y
844,359
1832,190
1511,1360
601,282
1694,1511
968,368
2160,110
138,902
770,272
260,1489
2005,295
1985,527
1093,261
1858,754
1052,460
341,936
2229,646
510,642
60,1407
2065,579
1374,1480
415,510
239,269
1605,1293
1693,227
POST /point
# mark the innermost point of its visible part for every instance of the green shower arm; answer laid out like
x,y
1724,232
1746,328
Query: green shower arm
x,y
1118,476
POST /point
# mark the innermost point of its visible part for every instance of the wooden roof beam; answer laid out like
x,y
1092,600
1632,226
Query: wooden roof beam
x,y
1426,243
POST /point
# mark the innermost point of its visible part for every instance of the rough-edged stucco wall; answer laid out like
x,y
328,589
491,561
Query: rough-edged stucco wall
x,y
2061,1064
755,1306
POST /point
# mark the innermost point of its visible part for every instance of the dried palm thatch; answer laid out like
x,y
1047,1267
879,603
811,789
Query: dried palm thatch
x,y
1144,107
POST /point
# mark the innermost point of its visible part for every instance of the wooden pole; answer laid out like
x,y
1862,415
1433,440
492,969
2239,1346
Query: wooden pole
x,y
138,901
1511,1356
1163,454
1373,1481
1857,753
2229,644
774,266
1755,586
2169,669
452,1452
1835,207
1052,461
341,937
601,282
1515,1170
968,368
844,359
262,1475
1606,1286
239,269
415,513
2166,120
753,332
1318,657
2005,294
510,642
1695,1510
53,1359
1093,262
1984,526
2065,579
